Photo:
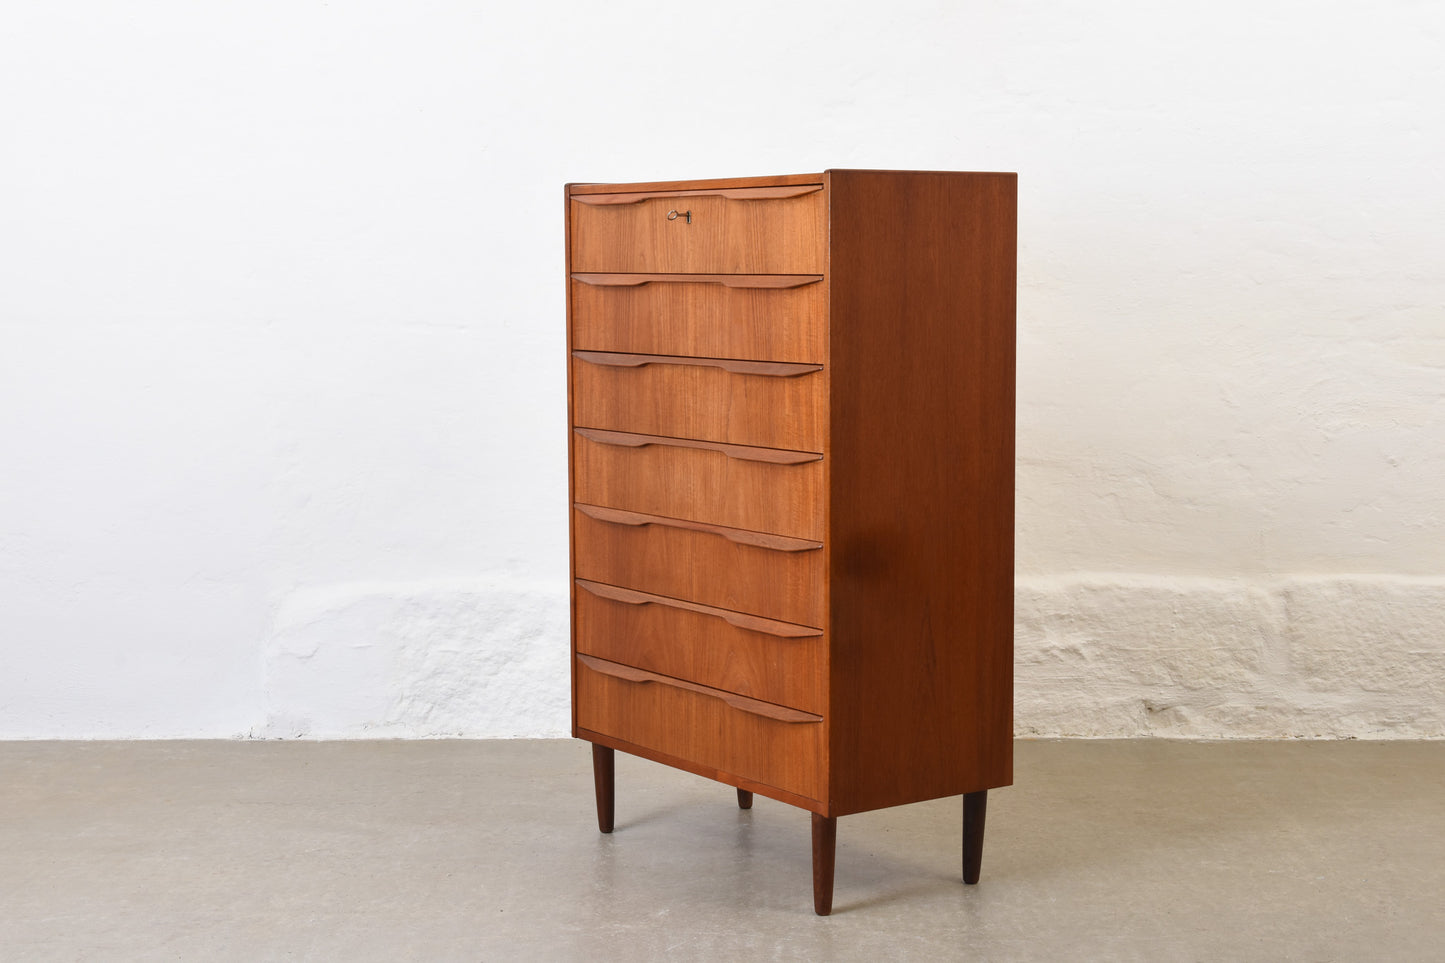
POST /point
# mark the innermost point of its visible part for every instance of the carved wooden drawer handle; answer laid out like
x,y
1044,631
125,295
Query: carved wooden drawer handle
x,y
742,703
752,623
778,543
772,456
767,369
731,194
756,281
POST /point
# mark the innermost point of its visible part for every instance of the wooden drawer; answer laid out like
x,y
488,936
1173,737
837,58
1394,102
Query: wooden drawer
x,y
760,489
755,317
749,230
777,662
767,575
708,728
765,403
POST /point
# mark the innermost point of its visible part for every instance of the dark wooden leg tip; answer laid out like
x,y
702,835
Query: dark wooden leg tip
x,y
745,799
603,780
975,806
825,840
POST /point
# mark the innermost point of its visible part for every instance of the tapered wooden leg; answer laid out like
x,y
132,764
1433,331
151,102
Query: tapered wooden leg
x,y
825,841
745,799
603,770
975,805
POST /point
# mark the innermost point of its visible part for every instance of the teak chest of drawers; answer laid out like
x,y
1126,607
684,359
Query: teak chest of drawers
x,y
791,406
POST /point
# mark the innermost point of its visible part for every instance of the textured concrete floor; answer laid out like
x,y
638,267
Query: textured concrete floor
x,y
489,851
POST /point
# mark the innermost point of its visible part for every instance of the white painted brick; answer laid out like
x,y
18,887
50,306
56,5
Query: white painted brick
x,y
1096,657
473,659
243,356
1383,636
1196,634
1318,657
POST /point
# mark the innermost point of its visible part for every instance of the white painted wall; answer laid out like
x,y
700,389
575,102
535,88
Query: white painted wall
x,y
281,352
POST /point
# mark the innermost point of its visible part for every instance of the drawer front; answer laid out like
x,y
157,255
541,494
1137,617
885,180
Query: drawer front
x,y
759,489
743,402
767,230
703,318
766,575
773,661
708,728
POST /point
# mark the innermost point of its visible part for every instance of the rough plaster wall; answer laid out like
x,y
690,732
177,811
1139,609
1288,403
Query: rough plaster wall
x,y
432,659
1242,658
281,396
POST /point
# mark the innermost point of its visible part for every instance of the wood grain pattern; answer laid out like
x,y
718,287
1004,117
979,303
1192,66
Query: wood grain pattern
x,y
742,620
742,703
825,846
725,235
771,405
760,281
711,564
632,439
767,369
572,590
975,810
730,193
797,581
921,483
707,730
604,783
696,184
741,536
737,535
682,317
707,772
702,485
